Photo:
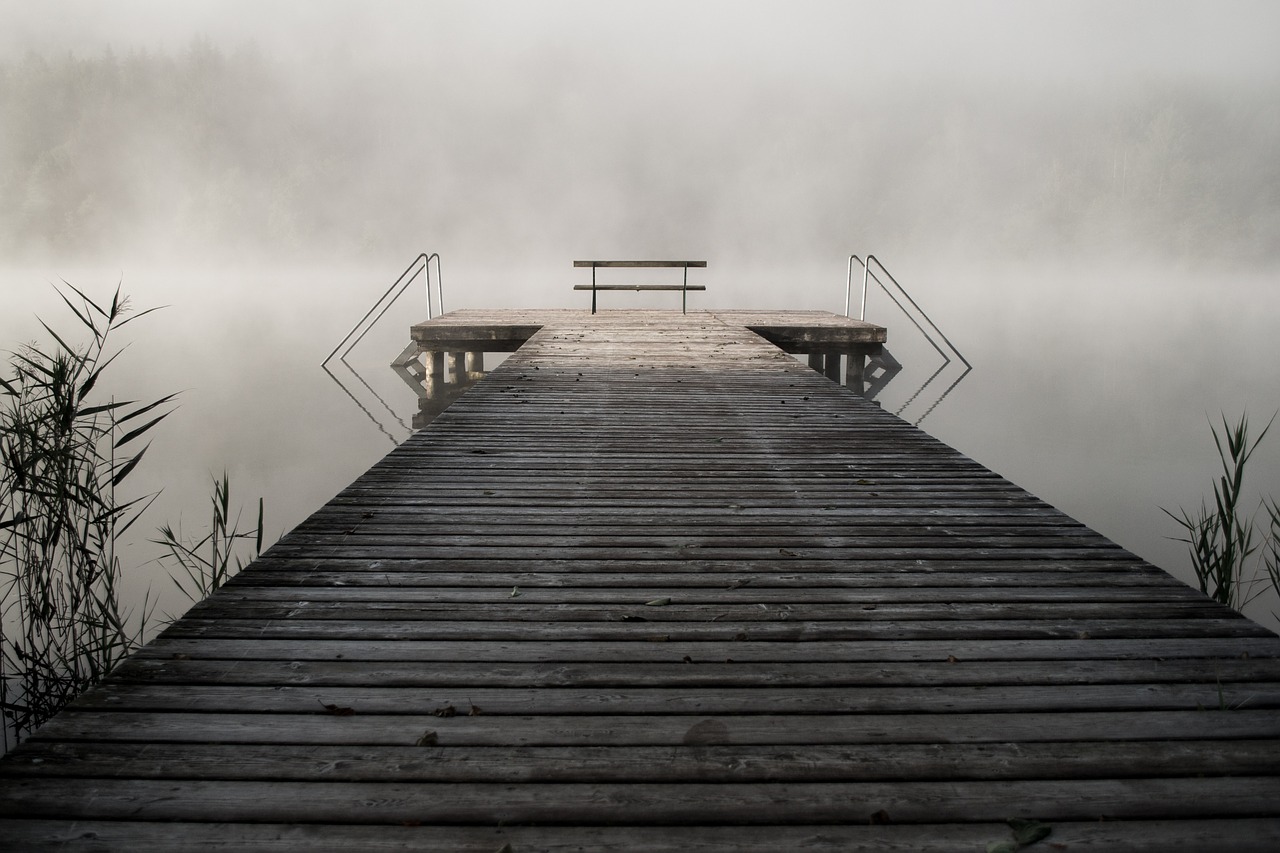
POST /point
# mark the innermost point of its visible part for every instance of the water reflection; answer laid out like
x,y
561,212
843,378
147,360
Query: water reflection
x,y
376,419
869,372
437,378
920,392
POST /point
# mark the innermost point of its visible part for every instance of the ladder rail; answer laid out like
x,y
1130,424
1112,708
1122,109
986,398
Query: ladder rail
x,y
867,274
420,264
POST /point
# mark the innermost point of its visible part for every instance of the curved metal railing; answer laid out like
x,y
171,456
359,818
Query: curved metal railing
x,y
867,276
420,264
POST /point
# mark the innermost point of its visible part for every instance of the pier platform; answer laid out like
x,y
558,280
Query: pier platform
x,y
653,584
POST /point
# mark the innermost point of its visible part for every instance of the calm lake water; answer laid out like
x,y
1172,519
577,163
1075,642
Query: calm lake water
x,y
1093,385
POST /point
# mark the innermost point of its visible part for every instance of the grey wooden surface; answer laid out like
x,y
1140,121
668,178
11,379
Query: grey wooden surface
x,y
654,585
475,329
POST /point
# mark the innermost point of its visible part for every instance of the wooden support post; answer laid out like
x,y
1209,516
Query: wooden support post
x,y
816,361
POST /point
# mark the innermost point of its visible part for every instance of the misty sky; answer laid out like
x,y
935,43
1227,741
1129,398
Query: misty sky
x,y
989,40
797,129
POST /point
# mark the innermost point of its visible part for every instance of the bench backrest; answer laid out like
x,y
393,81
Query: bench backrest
x,y
684,296
640,264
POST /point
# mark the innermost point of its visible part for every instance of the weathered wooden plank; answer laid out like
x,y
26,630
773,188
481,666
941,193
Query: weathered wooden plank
x,y
637,542
604,804
528,650
780,631
1240,835
743,592
281,570
1122,571
313,726
774,552
119,695
699,673
740,611
691,761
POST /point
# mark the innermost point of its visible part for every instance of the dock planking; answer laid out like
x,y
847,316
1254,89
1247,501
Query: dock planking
x,y
653,584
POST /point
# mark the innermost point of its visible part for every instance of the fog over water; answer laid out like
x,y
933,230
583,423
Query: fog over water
x,y
1084,195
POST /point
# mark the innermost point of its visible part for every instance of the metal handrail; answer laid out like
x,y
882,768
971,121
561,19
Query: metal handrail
x,y
867,275
420,264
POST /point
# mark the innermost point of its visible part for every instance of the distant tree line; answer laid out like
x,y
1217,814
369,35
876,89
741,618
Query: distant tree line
x,y
227,154
153,151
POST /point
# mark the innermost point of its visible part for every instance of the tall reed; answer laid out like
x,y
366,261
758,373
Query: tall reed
x,y
1221,538
1271,550
207,562
65,458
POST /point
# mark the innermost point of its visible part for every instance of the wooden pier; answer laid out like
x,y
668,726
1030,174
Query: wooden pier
x,y
655,585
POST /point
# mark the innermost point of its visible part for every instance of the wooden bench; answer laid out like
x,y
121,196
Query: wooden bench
x,y
684,287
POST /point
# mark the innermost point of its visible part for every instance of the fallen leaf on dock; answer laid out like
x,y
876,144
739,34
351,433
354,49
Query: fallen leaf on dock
x,y
446,711
1027,832
658,602
337,710
429,738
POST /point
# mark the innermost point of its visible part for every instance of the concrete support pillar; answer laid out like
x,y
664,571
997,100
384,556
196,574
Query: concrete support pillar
x,y
457,370
832,370
855,375
433,381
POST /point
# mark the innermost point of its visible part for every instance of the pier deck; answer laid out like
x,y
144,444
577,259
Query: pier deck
x,y
654,585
